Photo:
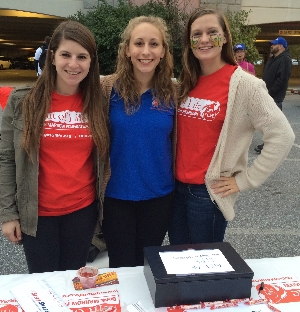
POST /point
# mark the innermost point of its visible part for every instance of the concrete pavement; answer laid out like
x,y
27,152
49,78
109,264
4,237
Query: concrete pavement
x,y
267,219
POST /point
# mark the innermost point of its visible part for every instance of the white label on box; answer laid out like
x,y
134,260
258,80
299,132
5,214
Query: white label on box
x,y
192,261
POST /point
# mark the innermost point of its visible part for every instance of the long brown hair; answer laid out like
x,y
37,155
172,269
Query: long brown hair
x,y
191,66
37,102
161,84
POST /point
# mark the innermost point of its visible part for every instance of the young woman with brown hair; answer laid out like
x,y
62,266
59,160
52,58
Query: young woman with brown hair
x,y
53,150
220,108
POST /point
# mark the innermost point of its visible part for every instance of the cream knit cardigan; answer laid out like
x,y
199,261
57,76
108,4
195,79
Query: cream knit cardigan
x,y
249,108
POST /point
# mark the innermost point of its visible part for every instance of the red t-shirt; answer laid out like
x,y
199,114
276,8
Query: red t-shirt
x,y
4,94
200,120
66,175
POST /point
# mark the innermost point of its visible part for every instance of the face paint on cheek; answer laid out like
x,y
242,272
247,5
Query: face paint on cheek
x,y
217,40
194,42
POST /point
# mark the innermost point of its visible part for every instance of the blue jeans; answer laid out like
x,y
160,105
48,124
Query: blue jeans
x,y
195,218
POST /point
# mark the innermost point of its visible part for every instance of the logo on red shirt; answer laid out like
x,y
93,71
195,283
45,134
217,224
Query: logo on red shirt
x,y
199,108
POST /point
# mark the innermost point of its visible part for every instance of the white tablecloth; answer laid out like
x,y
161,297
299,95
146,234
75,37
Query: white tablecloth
x,y
133,287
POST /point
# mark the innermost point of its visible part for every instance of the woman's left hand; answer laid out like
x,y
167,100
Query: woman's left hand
x,y
225,186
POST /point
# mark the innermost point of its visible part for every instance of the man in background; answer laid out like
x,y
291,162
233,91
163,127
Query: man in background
x,y
276,73
240,54
38,52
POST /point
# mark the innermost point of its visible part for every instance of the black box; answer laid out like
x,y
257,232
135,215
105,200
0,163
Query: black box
x,y
170,289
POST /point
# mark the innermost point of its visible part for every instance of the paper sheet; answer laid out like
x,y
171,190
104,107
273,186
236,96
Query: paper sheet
x,y
195,261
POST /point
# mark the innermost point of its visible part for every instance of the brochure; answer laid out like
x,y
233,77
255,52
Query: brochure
x,y
38,296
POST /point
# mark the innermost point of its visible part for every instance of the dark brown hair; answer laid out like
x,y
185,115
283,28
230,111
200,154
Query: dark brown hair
x,y
47,40
191,66
36,104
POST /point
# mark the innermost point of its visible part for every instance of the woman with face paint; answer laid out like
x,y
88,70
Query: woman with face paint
x,y
141,95
220,107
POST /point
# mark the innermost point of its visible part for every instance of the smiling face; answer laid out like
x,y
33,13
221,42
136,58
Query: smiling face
x,y
208,33
72,63
145,49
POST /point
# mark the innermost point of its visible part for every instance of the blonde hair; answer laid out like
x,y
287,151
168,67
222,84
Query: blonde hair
x,y
161,84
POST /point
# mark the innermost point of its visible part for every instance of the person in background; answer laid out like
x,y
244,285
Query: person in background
x,y
220,107
38,53
276,74
52,155
240,54
141,95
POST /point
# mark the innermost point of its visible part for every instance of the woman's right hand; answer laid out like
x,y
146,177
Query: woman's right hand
x,y
12,231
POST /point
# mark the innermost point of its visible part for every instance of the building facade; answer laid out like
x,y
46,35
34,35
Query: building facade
x,y
262,11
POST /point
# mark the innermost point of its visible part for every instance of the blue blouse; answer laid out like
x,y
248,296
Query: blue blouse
x,y
140,150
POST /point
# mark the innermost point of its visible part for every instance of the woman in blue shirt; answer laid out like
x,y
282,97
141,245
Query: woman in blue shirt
x,y
141,97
